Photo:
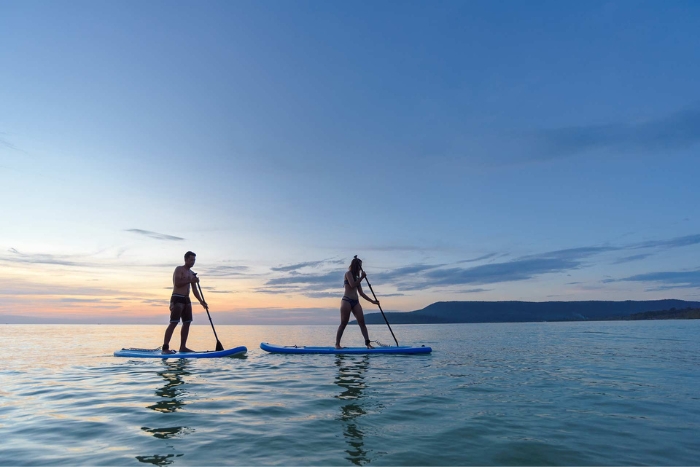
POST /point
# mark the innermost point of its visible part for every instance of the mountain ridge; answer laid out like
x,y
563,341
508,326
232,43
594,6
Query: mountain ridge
x,y
523,312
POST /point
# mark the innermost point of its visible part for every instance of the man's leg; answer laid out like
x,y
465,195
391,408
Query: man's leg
x,y
168,335
183,337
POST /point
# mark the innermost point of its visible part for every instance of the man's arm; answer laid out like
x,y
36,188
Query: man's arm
x,y
196,294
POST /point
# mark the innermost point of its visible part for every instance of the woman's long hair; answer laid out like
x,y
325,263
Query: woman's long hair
x,y
355,267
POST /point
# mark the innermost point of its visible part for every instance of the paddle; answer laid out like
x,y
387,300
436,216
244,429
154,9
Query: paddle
x,y
206,307
380,309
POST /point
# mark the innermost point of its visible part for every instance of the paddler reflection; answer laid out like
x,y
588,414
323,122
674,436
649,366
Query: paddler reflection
x,y
351,379
171,398
171,393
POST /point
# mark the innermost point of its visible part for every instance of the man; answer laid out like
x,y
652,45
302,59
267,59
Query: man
x,y
180,304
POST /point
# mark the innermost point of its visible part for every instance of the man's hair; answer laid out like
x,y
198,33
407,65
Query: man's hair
x,y
188,254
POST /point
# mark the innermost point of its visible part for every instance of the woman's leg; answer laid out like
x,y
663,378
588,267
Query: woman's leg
x,y
344,318
360,316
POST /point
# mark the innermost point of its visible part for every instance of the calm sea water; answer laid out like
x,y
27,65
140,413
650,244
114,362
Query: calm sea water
x,y
505,394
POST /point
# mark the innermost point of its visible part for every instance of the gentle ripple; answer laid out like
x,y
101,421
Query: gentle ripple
x,y
490,394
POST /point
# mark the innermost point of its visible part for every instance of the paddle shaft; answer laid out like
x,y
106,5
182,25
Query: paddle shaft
x,y
201,294
380,309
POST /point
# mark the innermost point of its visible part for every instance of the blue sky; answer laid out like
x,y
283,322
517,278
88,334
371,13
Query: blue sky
x,y
465,150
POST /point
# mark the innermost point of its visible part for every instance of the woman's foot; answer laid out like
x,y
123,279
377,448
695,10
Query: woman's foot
x,y
185,350
369,346
338,347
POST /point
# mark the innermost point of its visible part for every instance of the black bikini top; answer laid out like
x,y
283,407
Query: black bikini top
x,y
348,283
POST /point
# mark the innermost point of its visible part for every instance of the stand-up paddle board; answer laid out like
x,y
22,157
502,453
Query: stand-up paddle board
x,y
157,353
272,348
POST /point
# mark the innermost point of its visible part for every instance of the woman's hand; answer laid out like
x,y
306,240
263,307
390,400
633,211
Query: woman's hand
x,y
362,275
376,302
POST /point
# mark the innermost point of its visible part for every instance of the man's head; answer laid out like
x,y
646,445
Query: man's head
x,y
190,259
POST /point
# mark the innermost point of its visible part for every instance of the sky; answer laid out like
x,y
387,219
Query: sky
x,y
495,150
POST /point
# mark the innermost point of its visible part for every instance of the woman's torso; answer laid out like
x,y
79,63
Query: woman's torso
x,y
350,292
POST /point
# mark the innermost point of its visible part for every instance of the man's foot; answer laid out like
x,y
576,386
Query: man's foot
x,y
338,347
369,346
167,351
185,350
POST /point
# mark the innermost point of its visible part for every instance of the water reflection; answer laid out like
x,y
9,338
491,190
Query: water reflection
x,y
171,400
351,378
158,460
173,373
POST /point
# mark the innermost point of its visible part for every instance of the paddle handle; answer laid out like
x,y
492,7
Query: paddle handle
x,y
206,307
380,309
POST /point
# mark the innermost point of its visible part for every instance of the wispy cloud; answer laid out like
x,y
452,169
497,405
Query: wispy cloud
x,y
677,242
462,276
227,271
155,235
329,278
477,290
480,258
403,272
278,289
657,246
628,259
42,258
318,285
80,300
678,130
10,287
328,294
573,253
517,270
405,248
308,264
666,280
278,316
425,276
8,144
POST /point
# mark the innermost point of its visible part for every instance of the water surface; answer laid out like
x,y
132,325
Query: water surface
x,y
603,393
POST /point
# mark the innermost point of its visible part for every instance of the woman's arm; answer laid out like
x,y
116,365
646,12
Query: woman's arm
x,y
359,290
351,279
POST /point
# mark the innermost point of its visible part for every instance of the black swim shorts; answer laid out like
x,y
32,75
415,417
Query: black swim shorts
x,y
180,308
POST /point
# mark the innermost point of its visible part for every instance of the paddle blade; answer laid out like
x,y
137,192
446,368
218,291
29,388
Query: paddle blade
x,y
219,347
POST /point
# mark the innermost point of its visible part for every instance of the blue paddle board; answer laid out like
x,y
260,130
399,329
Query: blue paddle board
x,y
156,353
347,350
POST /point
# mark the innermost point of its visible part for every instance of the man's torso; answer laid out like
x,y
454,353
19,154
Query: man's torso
x,y
181,272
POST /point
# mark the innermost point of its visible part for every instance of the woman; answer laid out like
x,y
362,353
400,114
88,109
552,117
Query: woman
x,y
351,304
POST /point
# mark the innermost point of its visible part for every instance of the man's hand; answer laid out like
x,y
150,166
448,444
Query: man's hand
x,y
194,280
204,304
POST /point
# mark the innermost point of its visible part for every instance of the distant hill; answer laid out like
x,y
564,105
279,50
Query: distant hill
x,y
688,313
520,312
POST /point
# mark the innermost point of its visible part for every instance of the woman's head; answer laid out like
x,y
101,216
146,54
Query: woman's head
x,y
355,266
